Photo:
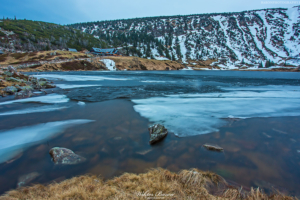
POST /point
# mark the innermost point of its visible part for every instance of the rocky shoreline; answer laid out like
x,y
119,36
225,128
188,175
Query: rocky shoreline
x,y
21,85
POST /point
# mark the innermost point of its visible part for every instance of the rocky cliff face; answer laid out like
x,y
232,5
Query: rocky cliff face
x,y
251,38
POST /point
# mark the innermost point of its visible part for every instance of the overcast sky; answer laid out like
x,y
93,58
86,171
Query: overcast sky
x,y
72,11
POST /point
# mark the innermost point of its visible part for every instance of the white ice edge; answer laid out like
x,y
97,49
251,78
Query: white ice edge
x,y
77,77
33,110
69,86
51,98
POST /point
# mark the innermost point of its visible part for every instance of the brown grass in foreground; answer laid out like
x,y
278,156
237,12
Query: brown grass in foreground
x,y
155,184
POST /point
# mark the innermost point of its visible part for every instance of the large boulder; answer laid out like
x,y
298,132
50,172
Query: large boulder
x,y
49,85
46,84
27,87
10,89
65,156
157,133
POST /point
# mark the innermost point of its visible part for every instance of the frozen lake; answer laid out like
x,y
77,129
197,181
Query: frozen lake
x,y
104,117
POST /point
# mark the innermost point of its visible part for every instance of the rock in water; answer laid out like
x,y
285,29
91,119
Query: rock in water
x,y
157,133
10,89
213,147
65,156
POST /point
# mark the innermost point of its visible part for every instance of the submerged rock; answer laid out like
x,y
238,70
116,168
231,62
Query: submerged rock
x,y
27,178
157,133
23,94
48,85
65,156
212,147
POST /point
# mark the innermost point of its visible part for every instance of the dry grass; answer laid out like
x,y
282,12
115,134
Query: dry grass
x,y
130,63
75,65
188,184
19,58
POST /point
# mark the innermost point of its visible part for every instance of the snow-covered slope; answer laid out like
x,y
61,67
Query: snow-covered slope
x,y
249,38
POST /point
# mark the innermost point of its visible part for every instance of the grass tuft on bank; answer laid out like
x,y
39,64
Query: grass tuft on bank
x,y
155,184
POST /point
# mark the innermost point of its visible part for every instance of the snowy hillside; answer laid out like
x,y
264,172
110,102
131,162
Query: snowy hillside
x,y
250,38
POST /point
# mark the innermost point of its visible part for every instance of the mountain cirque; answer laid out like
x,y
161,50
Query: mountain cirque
x,y
248,38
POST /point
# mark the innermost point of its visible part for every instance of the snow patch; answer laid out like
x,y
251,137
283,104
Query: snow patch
x,y
110,64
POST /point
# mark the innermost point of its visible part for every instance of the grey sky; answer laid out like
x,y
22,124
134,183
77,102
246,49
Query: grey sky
x,y
72,11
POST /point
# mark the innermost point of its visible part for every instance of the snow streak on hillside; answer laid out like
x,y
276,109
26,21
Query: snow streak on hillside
x,y
234,39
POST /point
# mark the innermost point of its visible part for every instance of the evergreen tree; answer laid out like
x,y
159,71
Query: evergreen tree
x,y
178,51
173,57
167,54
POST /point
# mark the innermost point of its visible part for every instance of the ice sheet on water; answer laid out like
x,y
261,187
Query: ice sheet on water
x,y
77,77
68,86
194,114
51,98
153,81
81,103
33,110
12,141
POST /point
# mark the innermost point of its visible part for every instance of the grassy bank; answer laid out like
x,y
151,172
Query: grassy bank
x,y
155,184
135,63
23,58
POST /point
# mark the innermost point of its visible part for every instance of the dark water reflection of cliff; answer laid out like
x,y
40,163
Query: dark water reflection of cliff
x,y
259,152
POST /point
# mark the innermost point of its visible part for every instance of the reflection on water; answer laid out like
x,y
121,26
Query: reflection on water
x,y
259,152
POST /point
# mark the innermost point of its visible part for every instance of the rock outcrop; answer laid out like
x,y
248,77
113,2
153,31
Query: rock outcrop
x,y
12,82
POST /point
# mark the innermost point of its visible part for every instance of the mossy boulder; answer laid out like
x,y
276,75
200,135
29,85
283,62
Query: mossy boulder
x,y
13,79
27,87
10,89
157,133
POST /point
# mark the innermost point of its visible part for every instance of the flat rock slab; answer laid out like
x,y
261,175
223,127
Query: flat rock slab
x,y
65,156
213,147
157,133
